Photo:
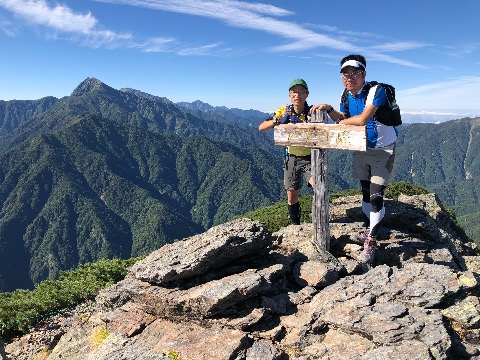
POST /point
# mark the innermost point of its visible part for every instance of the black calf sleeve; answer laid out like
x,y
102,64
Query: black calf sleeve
x,y
365,190
376,197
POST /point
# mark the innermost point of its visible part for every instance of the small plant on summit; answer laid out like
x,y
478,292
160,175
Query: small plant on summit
x,y
44,354
98,337
173,355
84,317
394,190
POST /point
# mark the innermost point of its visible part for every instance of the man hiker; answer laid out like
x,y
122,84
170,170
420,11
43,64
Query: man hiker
x,y
374,166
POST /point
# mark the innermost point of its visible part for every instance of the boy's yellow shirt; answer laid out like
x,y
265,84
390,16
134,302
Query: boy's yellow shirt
x,y
294,150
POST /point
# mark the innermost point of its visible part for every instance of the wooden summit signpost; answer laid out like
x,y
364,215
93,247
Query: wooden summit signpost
x,y
320,136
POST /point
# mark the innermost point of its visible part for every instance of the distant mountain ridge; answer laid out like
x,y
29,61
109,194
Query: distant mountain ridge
x,y
144,94
16,112
221,113
199,105
92,97
422,116
206,111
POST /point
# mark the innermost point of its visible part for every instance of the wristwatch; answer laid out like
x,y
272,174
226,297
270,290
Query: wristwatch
x,y
275,121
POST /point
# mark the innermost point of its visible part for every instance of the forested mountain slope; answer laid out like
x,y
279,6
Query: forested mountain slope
x,y
99,189
17,112
444,158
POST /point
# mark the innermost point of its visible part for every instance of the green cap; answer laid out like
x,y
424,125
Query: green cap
x,y
298,82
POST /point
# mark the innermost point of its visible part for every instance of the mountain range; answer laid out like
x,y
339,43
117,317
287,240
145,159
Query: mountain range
x,y
107,173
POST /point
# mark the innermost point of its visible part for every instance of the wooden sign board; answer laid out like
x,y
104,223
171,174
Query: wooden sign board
x,y
322,136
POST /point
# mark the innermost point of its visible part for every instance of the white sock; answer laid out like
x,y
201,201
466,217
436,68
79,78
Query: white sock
x,y
376,217
366,209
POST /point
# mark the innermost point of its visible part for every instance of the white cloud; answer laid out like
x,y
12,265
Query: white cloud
x,y
60,18
455,94
372,55
399,46
221,9
462,50
156,45
261,17
7,27
202,50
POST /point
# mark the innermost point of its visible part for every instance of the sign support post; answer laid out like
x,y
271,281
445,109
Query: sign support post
x,y
320,206
321,136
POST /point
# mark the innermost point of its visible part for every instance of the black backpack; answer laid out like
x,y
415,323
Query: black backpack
x,y
388,114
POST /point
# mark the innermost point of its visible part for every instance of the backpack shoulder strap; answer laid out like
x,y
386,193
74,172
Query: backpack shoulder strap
x,y
389,90
389,113
366,88
344,101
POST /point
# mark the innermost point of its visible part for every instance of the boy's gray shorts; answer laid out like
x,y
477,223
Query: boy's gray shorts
x,y
293,168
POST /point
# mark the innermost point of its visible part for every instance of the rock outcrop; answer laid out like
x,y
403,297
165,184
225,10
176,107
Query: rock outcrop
x,y
240,292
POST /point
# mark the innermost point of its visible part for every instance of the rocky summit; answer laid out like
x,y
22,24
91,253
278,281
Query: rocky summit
x,y
238,291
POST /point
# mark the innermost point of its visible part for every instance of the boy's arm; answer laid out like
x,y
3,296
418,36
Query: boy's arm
x,y
268,123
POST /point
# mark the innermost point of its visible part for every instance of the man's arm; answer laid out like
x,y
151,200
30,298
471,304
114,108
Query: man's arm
x,y
363,118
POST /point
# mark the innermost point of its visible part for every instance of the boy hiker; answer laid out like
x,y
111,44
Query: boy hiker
x,y
297,159
373,167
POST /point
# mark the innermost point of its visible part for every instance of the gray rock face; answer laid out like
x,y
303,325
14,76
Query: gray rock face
x,y
240,292
202,253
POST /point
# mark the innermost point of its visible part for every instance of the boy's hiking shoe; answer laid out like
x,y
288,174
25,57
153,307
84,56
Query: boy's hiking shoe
x,y
370,248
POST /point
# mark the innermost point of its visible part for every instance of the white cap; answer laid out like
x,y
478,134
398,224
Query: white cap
x,y
353,63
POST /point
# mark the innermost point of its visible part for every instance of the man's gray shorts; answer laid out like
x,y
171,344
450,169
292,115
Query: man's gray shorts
x,y
293,168
374,165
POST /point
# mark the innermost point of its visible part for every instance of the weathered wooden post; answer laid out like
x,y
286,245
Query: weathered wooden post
x,y
320,136
320,208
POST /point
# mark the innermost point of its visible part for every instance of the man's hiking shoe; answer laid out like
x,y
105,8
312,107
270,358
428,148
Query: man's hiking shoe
x,y
370,248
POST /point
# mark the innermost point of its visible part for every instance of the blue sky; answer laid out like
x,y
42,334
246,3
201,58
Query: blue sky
x,y
242,54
